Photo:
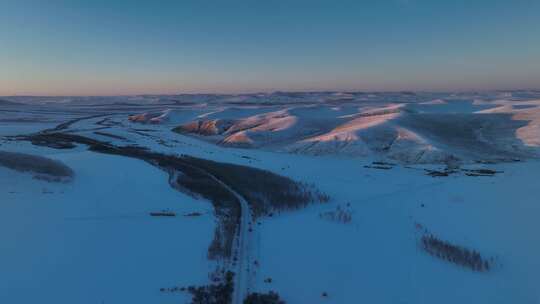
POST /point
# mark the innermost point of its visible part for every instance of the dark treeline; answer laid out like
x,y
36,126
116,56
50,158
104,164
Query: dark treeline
x,y
43,167
263,298
265,191
454,254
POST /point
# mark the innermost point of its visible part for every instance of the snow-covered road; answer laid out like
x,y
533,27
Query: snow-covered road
x,y
242,253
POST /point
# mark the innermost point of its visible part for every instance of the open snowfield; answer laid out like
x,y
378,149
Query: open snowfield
x,y
396,167
92,241
376,258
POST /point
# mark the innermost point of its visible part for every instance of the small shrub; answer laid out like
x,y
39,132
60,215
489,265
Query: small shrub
x,y
339,215
263,298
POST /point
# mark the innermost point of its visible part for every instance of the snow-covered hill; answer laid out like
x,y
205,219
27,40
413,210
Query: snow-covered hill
x,y
428,132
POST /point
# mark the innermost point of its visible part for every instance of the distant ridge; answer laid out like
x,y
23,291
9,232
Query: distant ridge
x,y
4,102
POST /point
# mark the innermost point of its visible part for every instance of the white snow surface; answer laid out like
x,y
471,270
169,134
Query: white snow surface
x,y
92,240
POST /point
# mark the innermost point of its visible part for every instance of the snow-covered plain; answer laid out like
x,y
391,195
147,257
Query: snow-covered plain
x,y
92,240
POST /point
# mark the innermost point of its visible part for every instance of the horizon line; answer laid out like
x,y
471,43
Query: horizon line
x,y
276,91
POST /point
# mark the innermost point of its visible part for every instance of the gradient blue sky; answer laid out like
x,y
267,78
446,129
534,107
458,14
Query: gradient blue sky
x,y
96,47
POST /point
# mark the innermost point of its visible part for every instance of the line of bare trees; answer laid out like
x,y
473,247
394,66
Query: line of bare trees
x,y
454,253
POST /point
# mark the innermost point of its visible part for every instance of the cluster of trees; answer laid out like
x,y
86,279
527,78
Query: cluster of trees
x,y
263,298
51,140
455,254
480,172
226,206
265,191
221,245
42,167
220,293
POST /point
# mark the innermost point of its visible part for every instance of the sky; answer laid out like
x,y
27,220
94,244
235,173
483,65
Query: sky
x,y
124,47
